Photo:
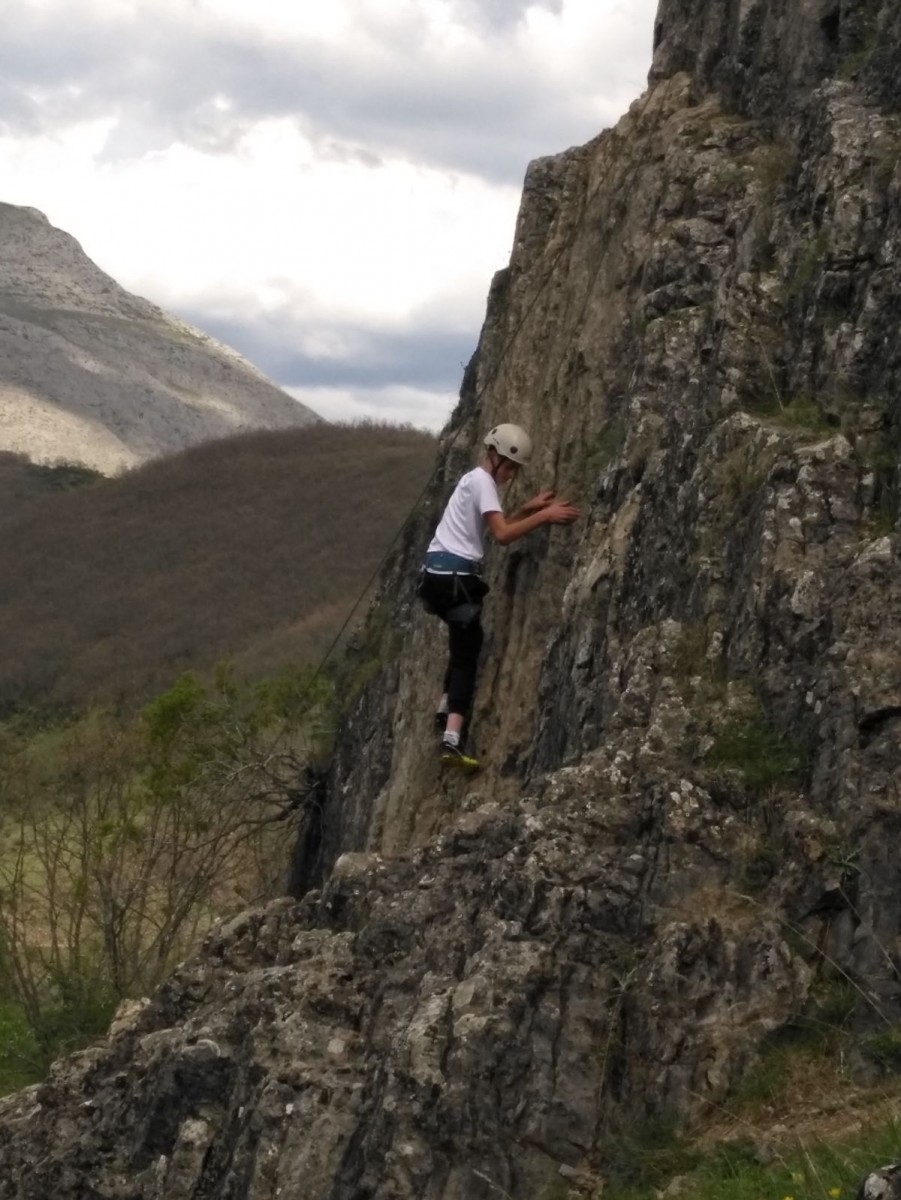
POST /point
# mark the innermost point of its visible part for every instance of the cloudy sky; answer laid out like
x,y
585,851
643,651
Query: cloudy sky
x,y
327,185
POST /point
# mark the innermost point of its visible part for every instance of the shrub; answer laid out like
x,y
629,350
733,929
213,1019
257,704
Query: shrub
x,y
121,841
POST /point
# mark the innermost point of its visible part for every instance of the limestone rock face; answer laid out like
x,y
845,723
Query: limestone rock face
x,y
761,56
92,374
689,712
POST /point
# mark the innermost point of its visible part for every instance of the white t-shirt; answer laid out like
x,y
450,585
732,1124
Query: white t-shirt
x,y
461,529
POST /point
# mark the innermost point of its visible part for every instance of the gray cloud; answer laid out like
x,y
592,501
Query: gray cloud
x,y
423,355
499,16
384,94
488,115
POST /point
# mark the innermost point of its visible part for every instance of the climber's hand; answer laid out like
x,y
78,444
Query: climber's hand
x,y
561,512
537,503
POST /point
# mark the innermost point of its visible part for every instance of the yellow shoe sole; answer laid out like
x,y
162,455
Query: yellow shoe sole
x,y
461,761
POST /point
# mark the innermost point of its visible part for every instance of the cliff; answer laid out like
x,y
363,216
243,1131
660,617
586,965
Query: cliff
x,y
690,711
94,375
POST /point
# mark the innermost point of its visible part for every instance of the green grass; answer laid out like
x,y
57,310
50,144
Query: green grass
x,y
760,867
641,1160
81,1012
884,1049
20,1056
802,412
800,1171
773,1138
80,1015
797,413
809,264
762,756
772,165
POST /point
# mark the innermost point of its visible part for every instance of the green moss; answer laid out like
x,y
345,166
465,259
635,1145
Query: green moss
x,y
772,165
879,455
739,476
690,653
368,650
760,866
831,1008
641,1159
800,413
607,446
767,1078
867,42
698,677
885,159
810,264
726,181
762,756
884,1049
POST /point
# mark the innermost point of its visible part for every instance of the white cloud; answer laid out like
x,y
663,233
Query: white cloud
x,y
271,224
307,168
400,405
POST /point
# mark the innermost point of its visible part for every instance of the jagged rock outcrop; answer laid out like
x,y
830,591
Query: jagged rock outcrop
x,y
690,712
94,375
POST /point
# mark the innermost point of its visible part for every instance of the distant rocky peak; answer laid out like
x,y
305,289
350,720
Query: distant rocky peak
x,y
92,374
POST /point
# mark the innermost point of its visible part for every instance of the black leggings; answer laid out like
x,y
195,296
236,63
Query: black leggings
x,y
457,600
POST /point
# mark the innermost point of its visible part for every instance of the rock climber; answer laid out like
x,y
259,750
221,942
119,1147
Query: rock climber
x,y
450,581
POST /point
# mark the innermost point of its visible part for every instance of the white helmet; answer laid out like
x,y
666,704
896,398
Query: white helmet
x,y
511,442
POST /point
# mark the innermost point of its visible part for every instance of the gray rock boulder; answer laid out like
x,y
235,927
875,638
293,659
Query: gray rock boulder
x,y
884,1184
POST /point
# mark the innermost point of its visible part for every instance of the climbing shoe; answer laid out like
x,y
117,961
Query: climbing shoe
x,y
454,756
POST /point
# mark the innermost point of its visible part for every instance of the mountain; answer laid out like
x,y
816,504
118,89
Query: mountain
x,y
93,375
113,587
681,851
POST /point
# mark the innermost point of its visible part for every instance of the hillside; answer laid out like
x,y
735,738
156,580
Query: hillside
x,y
255,547
92,374
666,913
23,482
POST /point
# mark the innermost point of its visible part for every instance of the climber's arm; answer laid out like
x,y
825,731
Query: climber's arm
x,y
508,529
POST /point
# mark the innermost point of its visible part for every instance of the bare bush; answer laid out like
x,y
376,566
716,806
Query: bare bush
x,y
121,843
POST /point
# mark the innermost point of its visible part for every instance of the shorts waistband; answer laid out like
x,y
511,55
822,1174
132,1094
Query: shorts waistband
x,y
441,562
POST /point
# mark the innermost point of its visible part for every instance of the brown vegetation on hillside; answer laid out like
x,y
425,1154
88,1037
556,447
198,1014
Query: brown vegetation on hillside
x,y
253,548
23,482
